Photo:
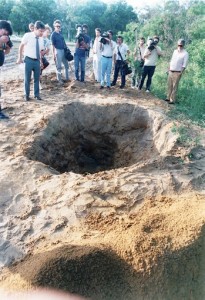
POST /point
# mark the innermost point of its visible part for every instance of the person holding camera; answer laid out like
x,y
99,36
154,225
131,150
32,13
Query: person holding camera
x,y
177,66
81,46
138,63
58,44
120,55
5,46
32,46
97,55
5,42
107,48
151,55
87,38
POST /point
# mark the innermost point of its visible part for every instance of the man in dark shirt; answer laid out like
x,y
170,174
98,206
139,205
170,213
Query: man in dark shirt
x,y
87,39
82,44
59,44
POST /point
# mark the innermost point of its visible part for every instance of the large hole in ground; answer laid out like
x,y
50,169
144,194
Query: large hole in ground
x,y
85,138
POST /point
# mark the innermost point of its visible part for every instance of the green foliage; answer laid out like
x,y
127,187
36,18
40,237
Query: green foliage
x,y
6,7
26,11
172,22
185,135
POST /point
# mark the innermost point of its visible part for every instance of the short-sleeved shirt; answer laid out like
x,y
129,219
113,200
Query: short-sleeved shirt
x,y
151,60
29,42
179,60
123,48
57,40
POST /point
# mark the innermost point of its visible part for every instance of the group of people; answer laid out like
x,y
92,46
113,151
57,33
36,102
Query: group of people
x,y
106,52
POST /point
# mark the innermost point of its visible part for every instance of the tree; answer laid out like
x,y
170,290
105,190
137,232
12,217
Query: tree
x,y
27,11
6,7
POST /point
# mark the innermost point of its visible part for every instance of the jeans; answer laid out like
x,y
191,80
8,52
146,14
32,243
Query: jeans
x,y
106,67
60,58
149,72
118,67
79,61
31,65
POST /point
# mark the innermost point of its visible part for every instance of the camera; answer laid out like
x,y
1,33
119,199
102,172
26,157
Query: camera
x,y
8,44
151,44
103,38
80,35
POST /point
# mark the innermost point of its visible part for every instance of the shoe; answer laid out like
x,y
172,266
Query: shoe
x,y
112,84
3,116
122,86
167,100
27,98
132,87
171,102
37,98
147,91
101,87
108,87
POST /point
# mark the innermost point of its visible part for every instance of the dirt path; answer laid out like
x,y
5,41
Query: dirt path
x,y
97,197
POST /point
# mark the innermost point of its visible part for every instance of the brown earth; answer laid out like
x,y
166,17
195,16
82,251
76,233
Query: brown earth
x,y
97,196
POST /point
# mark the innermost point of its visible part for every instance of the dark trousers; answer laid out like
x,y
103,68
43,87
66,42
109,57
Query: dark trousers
x,y
118,67
148,71
31,65
79,63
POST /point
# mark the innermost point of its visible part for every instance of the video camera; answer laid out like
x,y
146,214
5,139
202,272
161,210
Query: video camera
x,y
3,47
9,44
151,44
105,36
80,35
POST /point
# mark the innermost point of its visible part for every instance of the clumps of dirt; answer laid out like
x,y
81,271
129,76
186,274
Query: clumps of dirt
x,y
157,253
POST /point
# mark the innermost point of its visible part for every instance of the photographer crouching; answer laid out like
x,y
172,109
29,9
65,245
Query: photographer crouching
x,y
81,46
107,48
152,52
5,46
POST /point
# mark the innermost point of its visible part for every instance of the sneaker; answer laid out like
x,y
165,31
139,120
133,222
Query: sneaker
x,y
132,87
60,83
101,87
171,102
37,98
122,86
112,84
108,87
27,98
167,100
3,116
147,91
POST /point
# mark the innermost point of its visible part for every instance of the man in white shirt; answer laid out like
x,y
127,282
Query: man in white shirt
x,y
151,55
106,47
120,55
177,66
32,46
97,55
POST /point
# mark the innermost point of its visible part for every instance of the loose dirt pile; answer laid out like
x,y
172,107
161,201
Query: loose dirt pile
x,y
97,196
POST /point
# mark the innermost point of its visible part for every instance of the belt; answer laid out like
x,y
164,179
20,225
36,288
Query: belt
x,y
175,71
31,58
107,56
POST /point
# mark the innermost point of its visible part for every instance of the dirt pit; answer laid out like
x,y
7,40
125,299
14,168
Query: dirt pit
x,y
86,138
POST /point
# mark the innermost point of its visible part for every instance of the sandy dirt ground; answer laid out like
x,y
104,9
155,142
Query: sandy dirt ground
x,y
97,196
